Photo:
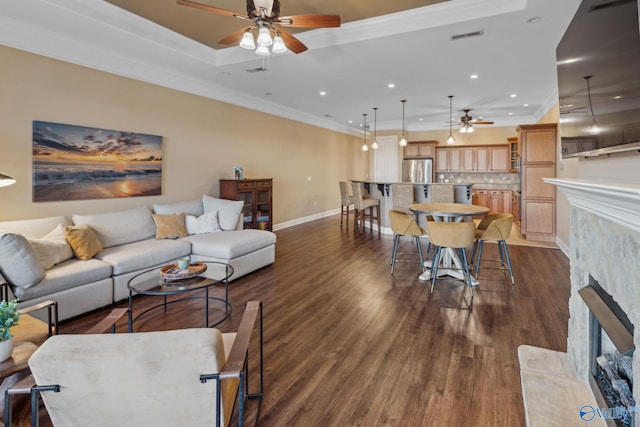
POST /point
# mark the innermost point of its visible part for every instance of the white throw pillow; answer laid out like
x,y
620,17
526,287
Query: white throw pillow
x,y
228,211
53,248
19,262
207,223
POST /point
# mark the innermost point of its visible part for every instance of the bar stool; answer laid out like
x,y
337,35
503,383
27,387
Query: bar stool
x,y
402,197
405,225
494,228
454,235
442,193
346,200
361,204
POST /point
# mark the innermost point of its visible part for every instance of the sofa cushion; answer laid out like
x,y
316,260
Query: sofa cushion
x,y
230,244
191,207
34,228
19,263
170,226
53,248
228,211
206,223
121,227
66,275
144,254
83,241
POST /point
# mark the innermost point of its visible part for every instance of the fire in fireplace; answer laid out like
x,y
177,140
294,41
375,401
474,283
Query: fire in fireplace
x,y
611,347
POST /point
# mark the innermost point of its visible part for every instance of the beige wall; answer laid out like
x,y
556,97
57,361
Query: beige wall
x,y
202,139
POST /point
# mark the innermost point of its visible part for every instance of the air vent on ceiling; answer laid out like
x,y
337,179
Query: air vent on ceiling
x,y
466,35
607,5
256,70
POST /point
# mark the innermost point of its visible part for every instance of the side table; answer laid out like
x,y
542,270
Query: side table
x,y
17,363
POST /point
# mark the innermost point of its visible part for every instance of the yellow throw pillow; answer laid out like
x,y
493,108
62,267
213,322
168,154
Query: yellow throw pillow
x,y
83,241
170,226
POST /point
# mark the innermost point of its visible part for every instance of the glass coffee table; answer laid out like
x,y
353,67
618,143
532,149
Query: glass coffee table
x,y
152,282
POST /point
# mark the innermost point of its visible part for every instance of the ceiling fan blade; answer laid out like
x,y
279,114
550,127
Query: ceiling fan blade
x,y
482,123
234,37
292,43
208,8
309,21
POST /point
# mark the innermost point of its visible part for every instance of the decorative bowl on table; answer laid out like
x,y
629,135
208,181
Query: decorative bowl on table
x,y
171,272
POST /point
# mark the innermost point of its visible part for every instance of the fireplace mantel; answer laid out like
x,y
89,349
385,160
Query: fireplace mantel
x,y
618,202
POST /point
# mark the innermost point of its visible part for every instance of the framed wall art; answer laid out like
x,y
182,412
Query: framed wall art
x,y
73,162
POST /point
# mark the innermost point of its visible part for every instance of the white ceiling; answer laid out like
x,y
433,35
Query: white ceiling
x,y
353,63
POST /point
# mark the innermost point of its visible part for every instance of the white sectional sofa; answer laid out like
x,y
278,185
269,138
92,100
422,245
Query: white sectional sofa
x,y
38,263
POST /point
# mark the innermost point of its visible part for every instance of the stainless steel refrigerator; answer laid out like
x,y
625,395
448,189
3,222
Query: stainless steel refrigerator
x,y
417,170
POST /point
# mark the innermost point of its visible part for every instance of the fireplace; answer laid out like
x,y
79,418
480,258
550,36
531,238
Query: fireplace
x,y
611,348
604,249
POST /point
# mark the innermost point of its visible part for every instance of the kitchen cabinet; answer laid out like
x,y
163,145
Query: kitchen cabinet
x,y
490,158
449,159
514,155
420,149
515,206
538,202
257,196
498,201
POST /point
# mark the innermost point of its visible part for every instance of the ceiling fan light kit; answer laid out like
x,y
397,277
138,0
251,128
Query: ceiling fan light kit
x,y
265,15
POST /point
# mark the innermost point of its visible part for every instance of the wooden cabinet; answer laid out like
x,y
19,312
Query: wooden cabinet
x,y
449,159
498,201
490,158
499,159
514,155
538,147
420,149
257,196
515,206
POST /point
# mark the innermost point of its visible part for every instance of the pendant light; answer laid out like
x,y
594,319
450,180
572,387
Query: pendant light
x,y
451,139
403,140
374,144
593,130
365,147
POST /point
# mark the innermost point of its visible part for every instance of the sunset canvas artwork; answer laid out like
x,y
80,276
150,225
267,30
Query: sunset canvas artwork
x,y
78,163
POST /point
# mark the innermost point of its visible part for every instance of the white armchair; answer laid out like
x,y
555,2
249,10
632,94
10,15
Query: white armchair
x,y
179,377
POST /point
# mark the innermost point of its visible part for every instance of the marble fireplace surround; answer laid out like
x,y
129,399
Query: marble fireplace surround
x,y
604,244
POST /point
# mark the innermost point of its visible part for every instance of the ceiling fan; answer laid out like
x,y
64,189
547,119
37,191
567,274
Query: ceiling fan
x,y
265,15
467,122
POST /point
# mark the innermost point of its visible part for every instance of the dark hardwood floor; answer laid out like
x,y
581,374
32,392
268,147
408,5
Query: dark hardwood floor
x,y
347,344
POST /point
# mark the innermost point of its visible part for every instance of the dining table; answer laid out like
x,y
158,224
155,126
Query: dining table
x,y
448,212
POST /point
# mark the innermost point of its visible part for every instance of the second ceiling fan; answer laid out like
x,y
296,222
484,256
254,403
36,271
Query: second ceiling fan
x,y
265,15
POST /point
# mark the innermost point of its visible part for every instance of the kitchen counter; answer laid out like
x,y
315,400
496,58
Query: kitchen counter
x,y
382,191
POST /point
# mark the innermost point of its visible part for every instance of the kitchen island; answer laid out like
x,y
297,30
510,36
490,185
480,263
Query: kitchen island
x,y
421,194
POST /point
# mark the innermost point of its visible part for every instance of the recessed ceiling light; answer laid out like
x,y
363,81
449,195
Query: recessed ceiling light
x,y
323,93
525,105
420,119
473,76
534,20
350,121
513,95
511,114
391,85
617,97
